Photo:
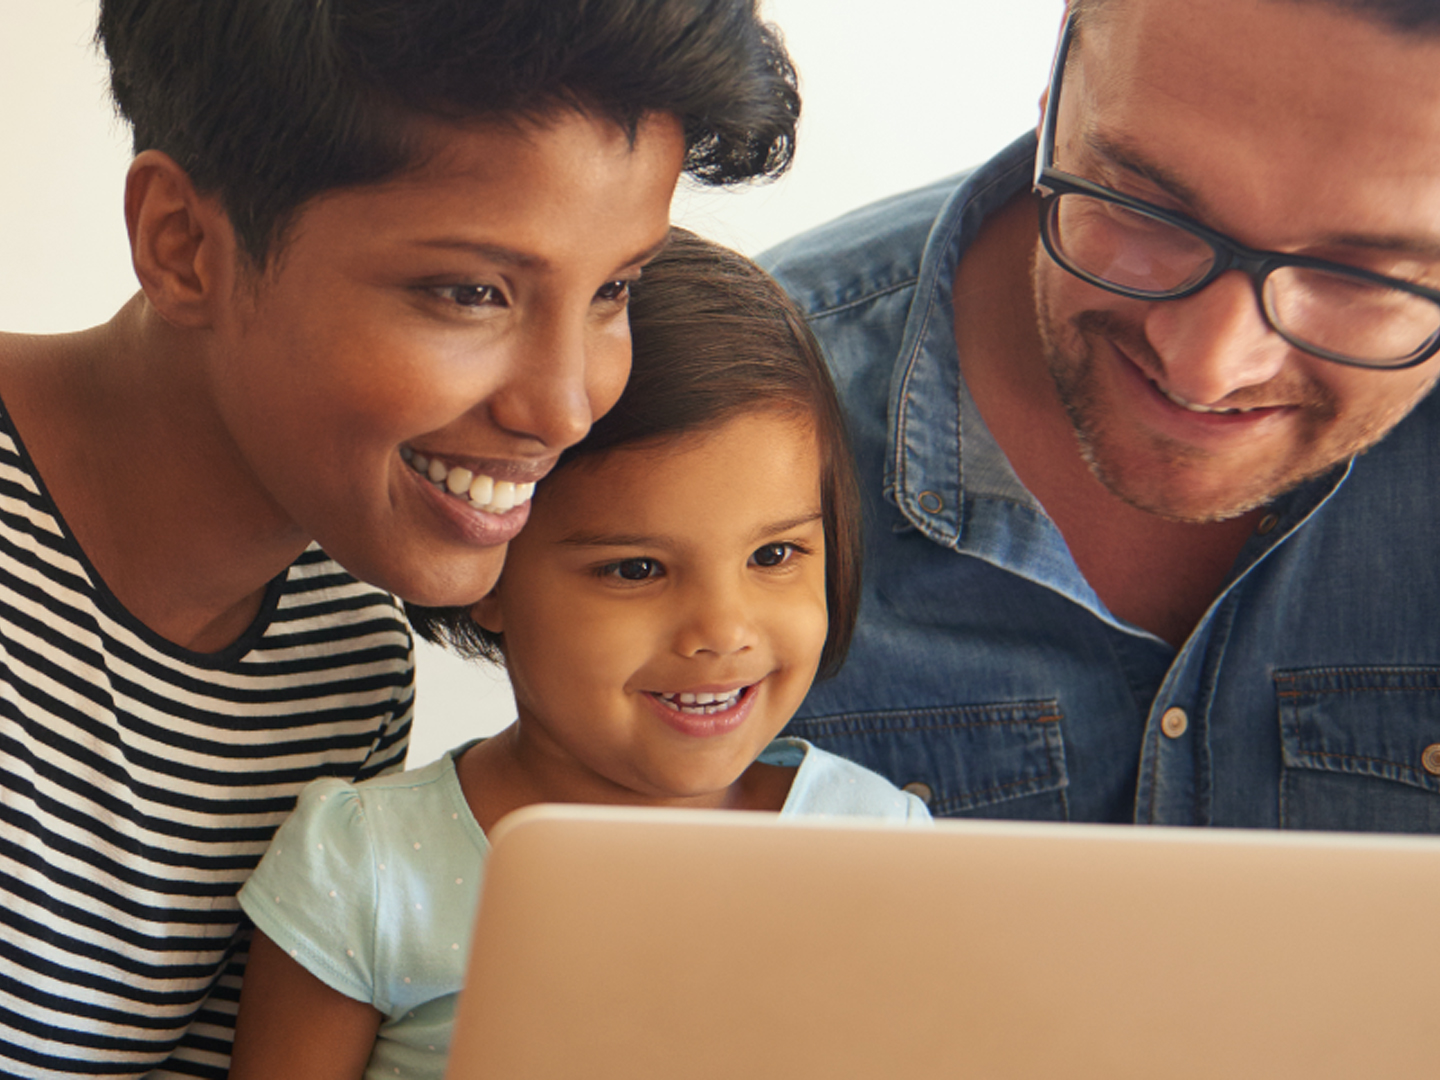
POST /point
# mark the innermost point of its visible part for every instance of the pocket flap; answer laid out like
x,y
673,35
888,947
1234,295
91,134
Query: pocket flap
x,y
1382,722
967,756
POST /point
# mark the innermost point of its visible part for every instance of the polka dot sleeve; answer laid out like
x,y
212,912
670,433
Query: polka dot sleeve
x,y
314,893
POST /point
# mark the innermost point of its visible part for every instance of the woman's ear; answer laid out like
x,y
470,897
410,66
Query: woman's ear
x,y
181,243
488,611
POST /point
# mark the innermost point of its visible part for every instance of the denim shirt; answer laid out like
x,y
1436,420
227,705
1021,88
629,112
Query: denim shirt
x,y
988,677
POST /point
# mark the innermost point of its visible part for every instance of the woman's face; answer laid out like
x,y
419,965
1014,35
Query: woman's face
x,y
421,350
664,612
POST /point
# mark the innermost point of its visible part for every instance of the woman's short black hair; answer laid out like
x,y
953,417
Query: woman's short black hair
x,y
268,103
715,337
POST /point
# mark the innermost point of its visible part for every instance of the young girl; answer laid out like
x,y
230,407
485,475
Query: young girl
x,y
685,572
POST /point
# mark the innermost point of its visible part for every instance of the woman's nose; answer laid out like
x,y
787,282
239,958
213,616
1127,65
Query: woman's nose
x,y
562,378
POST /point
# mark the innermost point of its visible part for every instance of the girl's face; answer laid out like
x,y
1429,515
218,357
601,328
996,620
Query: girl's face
x,y
664,612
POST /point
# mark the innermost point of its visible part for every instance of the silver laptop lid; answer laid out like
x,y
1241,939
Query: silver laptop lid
x,y
655,944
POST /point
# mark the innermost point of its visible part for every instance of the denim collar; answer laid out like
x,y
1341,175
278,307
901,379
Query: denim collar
x,y
943,468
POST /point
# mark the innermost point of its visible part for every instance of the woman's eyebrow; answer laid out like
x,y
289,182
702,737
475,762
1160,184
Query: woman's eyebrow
x,y
508,256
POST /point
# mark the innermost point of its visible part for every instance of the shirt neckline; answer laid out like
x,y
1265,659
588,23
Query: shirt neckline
x,y
106,600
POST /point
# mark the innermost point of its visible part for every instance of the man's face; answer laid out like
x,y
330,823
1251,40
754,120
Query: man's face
x,y
1290,127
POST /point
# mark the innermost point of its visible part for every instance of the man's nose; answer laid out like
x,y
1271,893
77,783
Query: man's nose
x,y
1216,342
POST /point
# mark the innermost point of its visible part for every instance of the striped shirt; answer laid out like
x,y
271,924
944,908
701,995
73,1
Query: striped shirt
x,y
141,782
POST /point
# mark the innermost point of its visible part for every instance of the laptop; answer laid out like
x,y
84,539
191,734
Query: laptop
x,y
696,945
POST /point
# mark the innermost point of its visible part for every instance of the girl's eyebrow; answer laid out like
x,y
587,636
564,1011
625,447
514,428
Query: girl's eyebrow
x,y
807,518
596,539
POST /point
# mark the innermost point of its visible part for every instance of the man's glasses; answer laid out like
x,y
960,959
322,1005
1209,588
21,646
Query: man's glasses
x,y
1130,247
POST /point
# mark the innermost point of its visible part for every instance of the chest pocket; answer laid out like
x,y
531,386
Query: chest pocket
x,y
998,761
1361,749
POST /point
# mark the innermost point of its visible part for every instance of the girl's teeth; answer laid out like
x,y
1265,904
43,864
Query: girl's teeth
x,y
700,704
482,492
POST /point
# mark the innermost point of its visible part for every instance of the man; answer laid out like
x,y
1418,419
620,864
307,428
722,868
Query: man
x,y
1151,470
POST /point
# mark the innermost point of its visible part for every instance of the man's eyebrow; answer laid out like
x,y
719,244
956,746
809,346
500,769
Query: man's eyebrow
x,y
524,260
581,538
1424,248
1127,156
1117,150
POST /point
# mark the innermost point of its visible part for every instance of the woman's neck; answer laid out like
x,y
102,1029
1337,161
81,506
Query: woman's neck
x,y
123,433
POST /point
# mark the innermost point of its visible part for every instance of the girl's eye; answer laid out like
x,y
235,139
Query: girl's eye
x,y
634,569
472,296
614,292
773,555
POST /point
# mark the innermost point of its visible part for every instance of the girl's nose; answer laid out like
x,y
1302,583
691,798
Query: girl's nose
x,y
1215,342
717,622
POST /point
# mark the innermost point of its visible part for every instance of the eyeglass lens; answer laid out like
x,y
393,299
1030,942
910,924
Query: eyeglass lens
x,y
1347,317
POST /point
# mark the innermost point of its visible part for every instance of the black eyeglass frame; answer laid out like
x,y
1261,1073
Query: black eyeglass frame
x,y
1051,183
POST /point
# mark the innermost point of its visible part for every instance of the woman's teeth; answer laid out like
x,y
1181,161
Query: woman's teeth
x,y
480,491
702,704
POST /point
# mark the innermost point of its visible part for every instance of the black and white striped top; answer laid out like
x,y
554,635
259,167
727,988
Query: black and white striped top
x,y
140,783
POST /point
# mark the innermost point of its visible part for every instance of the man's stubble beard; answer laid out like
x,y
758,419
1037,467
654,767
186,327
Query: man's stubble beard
x,y
1318,447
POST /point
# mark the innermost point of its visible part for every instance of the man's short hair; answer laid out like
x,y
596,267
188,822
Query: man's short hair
x,y
269,103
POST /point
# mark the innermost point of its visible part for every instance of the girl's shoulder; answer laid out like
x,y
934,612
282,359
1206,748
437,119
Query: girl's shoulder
x,y
828,784
399,803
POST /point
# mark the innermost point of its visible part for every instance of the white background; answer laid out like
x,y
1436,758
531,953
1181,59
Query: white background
x,y
895,94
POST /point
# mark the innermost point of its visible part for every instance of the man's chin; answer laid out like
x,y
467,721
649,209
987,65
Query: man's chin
x,y
1196,492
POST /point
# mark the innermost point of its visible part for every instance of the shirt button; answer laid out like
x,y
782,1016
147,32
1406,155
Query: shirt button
x,y
931,503
1267,524
1174,723
922,791
1431,759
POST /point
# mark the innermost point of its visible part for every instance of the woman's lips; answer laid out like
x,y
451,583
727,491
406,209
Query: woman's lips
x,y
482,491
469,523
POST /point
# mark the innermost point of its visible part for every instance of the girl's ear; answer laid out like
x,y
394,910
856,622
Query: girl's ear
x,y
488,611
181,242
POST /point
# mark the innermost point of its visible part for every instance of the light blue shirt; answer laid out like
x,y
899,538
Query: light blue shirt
x,y
372,887
986,671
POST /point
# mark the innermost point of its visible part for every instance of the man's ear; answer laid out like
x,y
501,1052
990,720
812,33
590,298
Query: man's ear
x,y
181,243
488,611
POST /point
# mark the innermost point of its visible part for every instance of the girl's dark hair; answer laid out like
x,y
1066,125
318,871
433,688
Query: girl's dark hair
x,y
268,103
715,337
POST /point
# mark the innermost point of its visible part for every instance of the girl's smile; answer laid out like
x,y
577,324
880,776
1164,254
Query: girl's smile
x,y
663,615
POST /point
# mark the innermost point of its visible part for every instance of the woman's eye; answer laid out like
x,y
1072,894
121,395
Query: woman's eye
x,y
470,296
772,555
613,291
634,569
